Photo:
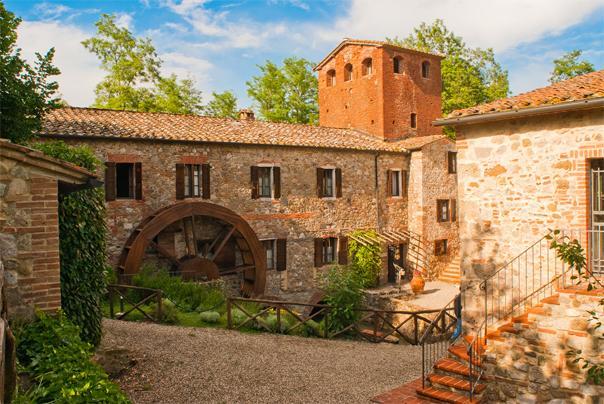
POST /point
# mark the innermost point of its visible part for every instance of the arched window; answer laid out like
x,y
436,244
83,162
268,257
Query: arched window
x,y
348,72
331,78
425,69
397,64
413,120
367,67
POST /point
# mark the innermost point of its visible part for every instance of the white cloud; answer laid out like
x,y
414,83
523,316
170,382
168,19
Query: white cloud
x,y
80,71
500,24
51,11
124,20
296,3
185,66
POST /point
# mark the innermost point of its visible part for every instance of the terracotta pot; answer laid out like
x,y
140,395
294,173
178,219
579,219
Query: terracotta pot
x,y
417,283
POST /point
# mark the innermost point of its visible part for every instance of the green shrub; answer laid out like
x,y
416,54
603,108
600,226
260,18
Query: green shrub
x,y
189,296
343,291
169,312
52,352
210,316
82,235
365,260
238,317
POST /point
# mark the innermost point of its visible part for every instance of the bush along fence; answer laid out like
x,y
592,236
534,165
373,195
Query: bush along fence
x,y
296,318
135,301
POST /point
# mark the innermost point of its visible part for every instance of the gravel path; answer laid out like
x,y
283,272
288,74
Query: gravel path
x,y
194,365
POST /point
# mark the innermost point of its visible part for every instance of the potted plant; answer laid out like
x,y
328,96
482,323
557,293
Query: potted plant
x,y
418,282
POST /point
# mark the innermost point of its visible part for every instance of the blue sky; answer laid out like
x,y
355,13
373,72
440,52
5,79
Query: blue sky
x,y
220,43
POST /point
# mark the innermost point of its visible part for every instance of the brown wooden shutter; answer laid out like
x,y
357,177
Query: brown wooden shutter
x,y
205,181
110,181
281,254
389,182
318,252
138,178
338,182
343,250
254,179
319,182
405,183
453,210
277,182
180,181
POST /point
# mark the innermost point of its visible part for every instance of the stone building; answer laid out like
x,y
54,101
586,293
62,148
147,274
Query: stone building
x,y
270,205
30,184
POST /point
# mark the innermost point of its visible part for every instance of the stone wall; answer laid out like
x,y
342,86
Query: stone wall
x,y
299,215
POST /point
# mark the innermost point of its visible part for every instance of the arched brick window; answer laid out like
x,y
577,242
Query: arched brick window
x,y
331,78
367,67
397,64
425,69
348,72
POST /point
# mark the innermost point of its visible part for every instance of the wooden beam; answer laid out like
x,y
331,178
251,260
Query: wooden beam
x,y
223,243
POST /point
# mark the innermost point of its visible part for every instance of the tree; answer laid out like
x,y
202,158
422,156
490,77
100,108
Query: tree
x,y
470,76
134,81
222,105
287,93
26,92
569,66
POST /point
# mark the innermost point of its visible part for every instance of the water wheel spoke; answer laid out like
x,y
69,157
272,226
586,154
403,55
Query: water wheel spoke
x,y
223,243
194,234
165,252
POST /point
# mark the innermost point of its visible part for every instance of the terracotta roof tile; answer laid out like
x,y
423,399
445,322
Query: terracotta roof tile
x,y
589,85
90,122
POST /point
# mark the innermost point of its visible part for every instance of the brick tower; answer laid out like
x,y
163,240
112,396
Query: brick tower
x,y
385,90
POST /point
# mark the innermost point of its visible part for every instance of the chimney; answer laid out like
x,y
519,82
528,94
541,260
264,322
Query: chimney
x,y
246,115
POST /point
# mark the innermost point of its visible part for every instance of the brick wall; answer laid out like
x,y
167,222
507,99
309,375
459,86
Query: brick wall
x,y
381,103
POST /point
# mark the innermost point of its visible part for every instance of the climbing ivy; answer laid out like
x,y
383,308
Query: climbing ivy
x,y
365,260
82,235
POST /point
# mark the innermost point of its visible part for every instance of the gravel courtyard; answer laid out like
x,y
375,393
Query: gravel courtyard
x,y
195,365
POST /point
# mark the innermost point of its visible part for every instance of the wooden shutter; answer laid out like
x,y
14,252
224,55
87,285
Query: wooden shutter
x,y
180,181
343,250
205,181
110,181
254,180
389,182
405,183
277,182
281,254
338,182
138,181
319,182
453,210
318,252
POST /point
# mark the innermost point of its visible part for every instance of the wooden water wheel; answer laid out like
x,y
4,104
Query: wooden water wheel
x,y
232,248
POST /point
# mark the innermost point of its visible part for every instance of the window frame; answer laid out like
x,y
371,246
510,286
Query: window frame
x,y
131,181
332,170
413,120
348,71
189,180
441,247
397,65
443,217
275,188
330,78
270,185
273,248
327,241
396,174
425,69
367,68
452,162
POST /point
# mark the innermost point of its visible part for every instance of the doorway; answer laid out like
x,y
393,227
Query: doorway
x,y
397,260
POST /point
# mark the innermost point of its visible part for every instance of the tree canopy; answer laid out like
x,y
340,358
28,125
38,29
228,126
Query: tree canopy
x,y
569,66
287,93
470,76
133,80
26,91
222,105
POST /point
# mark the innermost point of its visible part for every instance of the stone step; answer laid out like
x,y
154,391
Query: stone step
x,y
444,396
455,384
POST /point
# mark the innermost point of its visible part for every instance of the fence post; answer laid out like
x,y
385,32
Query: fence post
x,y
326,324
278,307
416,332
229,316
159,306
111,297
122,302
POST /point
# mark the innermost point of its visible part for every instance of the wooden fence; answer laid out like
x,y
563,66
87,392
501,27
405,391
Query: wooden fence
x,y
371,324
134,300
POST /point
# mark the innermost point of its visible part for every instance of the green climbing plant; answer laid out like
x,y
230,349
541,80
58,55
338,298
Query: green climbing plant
x,y
571,252
365,259
82,245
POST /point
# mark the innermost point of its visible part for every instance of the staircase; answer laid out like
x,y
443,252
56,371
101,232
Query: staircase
x,y
452,273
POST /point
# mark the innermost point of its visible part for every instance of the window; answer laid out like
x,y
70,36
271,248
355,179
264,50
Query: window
x,y
397,64
269,246
442,210
413,120
348,72
452,162
331,78
329,182
123,181
440,247
275,254
395,182
192,181
266,182
331,250
367,67
425,69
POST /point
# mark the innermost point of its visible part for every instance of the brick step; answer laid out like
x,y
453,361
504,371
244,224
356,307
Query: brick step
x,y
460,351
455,384
449,366
444,396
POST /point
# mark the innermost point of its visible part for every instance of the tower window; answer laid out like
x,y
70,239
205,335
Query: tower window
x,y
367,67
397,64
348,72
331,78
425,69
413,120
